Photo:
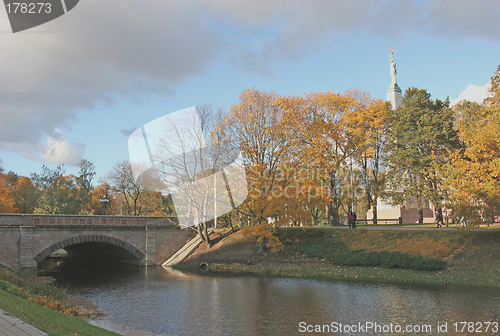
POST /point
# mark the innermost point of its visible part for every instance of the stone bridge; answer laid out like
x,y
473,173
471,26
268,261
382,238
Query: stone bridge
x,y
25,240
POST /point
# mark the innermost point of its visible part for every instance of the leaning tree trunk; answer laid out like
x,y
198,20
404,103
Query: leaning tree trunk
x,y
207,240
263,245
201,227
420,211
333,210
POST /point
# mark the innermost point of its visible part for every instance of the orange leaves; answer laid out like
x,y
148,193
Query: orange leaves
x,y
263,232
283,136
7,202
474,171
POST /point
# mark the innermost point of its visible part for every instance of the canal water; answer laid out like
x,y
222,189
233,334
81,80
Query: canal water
x,y
158,301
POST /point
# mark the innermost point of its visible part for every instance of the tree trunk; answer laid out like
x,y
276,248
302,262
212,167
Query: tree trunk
x,y
333,210
327,214
374,209
263,246
334,214
206,236
420,211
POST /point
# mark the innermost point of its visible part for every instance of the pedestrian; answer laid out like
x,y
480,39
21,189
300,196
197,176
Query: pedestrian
x,y
439,219
354,217
350,218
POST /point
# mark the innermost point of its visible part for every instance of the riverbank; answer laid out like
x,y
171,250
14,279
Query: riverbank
x,y
472,257
18,302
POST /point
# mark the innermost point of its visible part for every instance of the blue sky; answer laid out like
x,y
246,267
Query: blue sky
x,y
75,87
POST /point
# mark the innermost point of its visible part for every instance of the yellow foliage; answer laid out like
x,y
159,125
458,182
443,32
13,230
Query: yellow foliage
x,y
474,171
262,232
7,202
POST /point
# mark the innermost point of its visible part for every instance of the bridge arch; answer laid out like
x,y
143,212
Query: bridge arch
x,y
89,239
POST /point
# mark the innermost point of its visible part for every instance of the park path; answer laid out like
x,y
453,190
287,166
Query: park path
x,y
11,326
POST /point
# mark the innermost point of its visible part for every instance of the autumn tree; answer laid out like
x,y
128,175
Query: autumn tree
x,y
474,171
7,202
335,137
420,134
25,195
263,125
372,122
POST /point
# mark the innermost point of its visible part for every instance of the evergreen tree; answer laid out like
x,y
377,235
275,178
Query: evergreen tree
x,y
420,133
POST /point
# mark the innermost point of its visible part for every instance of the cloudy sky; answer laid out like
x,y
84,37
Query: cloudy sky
x,y
78,86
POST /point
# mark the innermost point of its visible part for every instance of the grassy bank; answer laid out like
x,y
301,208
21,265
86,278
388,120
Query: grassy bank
x,y
42,305
462,257
47,320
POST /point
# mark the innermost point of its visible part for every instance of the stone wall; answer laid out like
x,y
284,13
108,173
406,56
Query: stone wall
x,y
25,240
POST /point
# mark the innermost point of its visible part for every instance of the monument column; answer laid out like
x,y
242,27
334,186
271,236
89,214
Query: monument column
x,y
394,94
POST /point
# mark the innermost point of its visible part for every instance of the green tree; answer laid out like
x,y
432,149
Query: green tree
x,y
59,194
420,134
85,176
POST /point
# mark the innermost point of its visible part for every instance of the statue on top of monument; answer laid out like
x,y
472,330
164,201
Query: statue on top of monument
x,y
394,74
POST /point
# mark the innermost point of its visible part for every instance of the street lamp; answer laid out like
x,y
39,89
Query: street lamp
x,y
121,193
104,201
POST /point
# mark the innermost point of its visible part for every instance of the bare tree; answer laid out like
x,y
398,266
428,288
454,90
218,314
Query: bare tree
x,y
121,177
192,161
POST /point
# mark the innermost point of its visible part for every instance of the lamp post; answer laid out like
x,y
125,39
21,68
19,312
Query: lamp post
x,y
121,192
215,201
104,201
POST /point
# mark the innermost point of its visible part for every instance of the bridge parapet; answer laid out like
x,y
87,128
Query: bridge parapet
x,y
25,240
35,220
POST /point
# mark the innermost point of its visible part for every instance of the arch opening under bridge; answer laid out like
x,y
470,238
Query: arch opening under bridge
x,y
95,246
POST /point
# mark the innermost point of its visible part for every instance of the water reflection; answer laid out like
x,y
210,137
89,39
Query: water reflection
x,y
167,302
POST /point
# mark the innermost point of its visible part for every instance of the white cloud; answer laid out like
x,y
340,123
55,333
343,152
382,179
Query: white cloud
x,y
55,148
473,93
60,150
98,53
104,51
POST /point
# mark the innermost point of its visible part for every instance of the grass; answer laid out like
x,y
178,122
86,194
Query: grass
x,y
41,304
47,320
339,253
428,244
30,283
472,257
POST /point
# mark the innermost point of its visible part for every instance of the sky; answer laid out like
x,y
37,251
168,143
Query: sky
x,y
78,86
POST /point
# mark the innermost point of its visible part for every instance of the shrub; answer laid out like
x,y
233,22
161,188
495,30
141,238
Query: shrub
x,y
29,287
337,252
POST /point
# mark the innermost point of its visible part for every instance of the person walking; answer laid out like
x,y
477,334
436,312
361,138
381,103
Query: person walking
x,y
439,219
350,219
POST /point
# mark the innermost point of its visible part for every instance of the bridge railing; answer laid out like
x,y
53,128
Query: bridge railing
x,y
19,219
